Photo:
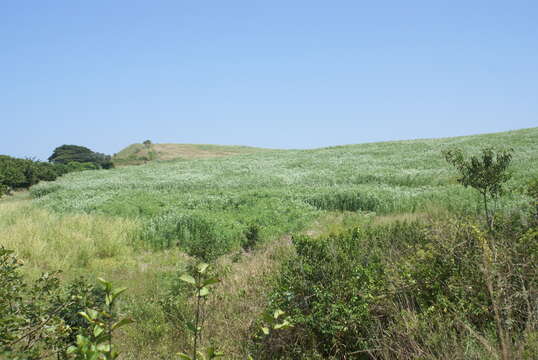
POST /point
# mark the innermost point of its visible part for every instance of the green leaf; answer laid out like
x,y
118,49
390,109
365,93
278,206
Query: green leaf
x,y
188,279
184,356
278,313
85,316
107,285
103,347
283,325
203,292
97,330
211,281
265,330
81,340
202,267
117,292
122,322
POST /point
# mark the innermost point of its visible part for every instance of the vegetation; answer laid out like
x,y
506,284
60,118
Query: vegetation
x,y
22,173
38,319
487,174
137,154
389,256
206,206
66,154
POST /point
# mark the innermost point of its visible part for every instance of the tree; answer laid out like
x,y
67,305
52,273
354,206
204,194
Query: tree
x,y
487,173
66,154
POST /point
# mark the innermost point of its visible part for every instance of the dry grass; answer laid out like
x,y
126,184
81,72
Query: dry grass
x,y
138,153
241,296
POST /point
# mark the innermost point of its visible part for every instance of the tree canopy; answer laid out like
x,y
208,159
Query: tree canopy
x,y
74,153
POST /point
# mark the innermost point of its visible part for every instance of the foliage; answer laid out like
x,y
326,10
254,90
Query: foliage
x,y
4,189
202,282
96,342
252,237
403,290
66,154
486,173
36,319
329,290
282,191
22,173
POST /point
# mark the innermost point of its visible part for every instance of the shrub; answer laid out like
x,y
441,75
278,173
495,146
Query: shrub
x,y
441,289
486,173
4,189
39,318
328,290
252,237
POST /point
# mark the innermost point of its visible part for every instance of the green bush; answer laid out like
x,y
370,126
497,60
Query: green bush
x,y
404,288
40,317
329,291
4,189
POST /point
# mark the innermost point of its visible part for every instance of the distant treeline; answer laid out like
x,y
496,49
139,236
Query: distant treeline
x,y
16,173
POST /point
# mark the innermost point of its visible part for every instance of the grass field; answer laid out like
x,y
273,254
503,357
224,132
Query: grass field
x,y
215,200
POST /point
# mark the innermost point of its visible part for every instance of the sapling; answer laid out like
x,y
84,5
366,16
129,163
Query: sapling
x,y
97,343
202,282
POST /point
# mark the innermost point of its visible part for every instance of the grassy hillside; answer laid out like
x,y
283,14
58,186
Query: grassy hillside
x,y
198,202
393,270
136,154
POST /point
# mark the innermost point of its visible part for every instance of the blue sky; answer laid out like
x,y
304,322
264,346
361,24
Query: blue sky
x,y
279,74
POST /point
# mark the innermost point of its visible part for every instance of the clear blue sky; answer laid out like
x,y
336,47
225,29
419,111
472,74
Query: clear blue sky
x,y
280,74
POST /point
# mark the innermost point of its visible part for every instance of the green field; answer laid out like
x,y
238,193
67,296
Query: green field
x,y
215,200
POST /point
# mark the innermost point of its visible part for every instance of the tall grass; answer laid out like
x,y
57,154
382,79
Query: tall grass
x,y
46,241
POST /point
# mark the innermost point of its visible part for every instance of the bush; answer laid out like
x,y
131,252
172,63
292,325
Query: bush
x,y
329,290
441,289
40,317
4,189
252,237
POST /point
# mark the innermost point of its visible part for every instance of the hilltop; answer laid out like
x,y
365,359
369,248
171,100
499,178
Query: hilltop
x,y
136,154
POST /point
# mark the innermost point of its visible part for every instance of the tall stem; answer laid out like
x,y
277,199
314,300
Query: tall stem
x,y
487,211
197,320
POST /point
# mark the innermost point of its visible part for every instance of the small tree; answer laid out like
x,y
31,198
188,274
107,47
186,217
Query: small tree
x,y
486,173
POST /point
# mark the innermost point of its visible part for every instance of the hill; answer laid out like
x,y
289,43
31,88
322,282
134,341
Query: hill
x,y
281,190
136,154
398,265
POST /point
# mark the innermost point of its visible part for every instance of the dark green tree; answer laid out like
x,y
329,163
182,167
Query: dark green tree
x,y
487,173
66,154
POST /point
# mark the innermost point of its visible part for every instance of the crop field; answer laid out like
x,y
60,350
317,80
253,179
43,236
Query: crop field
x,y
206,206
